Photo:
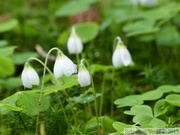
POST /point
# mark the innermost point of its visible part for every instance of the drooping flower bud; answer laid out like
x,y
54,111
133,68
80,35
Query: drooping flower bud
x,y
121,55
84,77
74,44
144,3
29,76
63,65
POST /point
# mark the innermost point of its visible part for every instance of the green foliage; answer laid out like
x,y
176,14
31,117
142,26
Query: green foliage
x,y
75,8
8,25
7,67
85,97
144,96
147,115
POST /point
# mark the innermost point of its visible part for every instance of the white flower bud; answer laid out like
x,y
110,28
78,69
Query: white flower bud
x,y
84,78
121,56
144,3
63,65
74,44
29,76
148,3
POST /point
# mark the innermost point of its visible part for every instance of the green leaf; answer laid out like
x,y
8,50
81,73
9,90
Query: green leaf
x,y
107,124
86,31
29,101
6,67
151,95
74,7
11,107
11,101
168,36
6,51
160,108
140,27
142,119
176,89
97,67
173,99
91,125
119,126
158,123
167,88
21,58
140,110
8,25
3,43
66,82
85,97
131,100
156,14
11,83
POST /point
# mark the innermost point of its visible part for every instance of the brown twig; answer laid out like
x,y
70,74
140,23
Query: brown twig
x,y
43,53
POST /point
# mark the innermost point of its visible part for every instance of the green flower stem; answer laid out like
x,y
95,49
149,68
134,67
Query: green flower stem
x,y
42,86
102,96
67,121
116,41
77,58
94,95
95,105
69,101
112,92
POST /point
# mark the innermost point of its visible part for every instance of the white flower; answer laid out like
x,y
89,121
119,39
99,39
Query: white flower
x,y
121,56
74,43
63,65
84,78
148,3
144,3
29,76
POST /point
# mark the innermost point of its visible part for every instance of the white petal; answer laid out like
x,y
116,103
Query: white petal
x,y
68,66
33,76
84,78
126,57
57,70
25,79
116,58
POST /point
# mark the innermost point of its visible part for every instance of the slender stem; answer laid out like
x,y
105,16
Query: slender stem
x,y
42,86
69,101
102,96
77,58
112,92
95,104
36,59
94,95
64,113
33,58
42,129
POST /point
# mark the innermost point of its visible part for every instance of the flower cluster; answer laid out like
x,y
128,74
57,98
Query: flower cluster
x,y
64,66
